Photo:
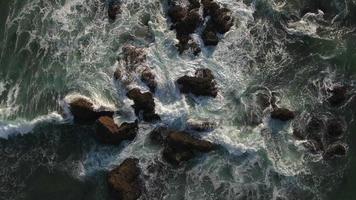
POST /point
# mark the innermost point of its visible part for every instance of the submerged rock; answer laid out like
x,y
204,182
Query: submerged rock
x,y
109,133
143,104
203,84
124,181
336,150
282,114
84,113
159,135
335,128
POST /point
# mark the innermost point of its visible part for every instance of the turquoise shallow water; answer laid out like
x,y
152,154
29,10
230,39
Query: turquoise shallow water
x,y
54,49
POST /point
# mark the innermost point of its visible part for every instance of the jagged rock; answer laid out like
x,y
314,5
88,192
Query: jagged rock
x,y
113,10
133,56
148,78
202,84
314,124
143,103
338,95
180,146
124,181
84,113
282,114
109,133
189,23
299,134
177,13
200,126
221,20
335,150
335,128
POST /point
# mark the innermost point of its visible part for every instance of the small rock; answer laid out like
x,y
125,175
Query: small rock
x,y
133,56
124,181
200,126
199,85
210,38
143,103
282,114
177,13
148,78
109,133
298,134
84,113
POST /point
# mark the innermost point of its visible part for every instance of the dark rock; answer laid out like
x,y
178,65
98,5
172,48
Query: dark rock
x,y
148,78
177,13
113,10
159,135
298,134
262,100
84,113
189,24
314,146
221,19
109,133
180,146
336,150
124,181
143,103
199,85
335,128
338,95
133,55
282,114
117,74
314,124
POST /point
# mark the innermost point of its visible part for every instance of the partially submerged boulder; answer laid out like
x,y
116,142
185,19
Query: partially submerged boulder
x,y
335,128
203,84
143,104
336,150
109,133
148,77
84,113
124,181
200,126
282,114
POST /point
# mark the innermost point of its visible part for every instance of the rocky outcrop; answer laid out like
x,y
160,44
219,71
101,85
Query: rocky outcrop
x,y
335,150
134,60
114,9
144,105
282,114
179,146
124,181
84,112
202,84
109,133
186,19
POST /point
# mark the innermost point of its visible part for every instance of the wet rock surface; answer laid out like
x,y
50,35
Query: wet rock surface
x,y
109,133
84,112
144,105
201,125
202,84
124,181
179,146
114,9
337,95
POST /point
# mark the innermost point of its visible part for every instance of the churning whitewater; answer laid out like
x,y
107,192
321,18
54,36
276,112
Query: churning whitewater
x,y
177,99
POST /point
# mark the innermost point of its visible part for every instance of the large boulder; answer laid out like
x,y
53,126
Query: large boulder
x,y
180,147
124,181
84,113
109,133
143,104
282,114
203,84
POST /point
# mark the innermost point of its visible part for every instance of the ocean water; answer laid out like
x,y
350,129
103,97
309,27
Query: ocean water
x,y
53,50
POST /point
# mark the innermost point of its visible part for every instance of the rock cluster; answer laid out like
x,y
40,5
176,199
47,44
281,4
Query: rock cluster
x,y
202,84
186,19
134,60
322,135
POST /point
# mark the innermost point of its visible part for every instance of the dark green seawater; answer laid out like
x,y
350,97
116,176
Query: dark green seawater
x,y
56,49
